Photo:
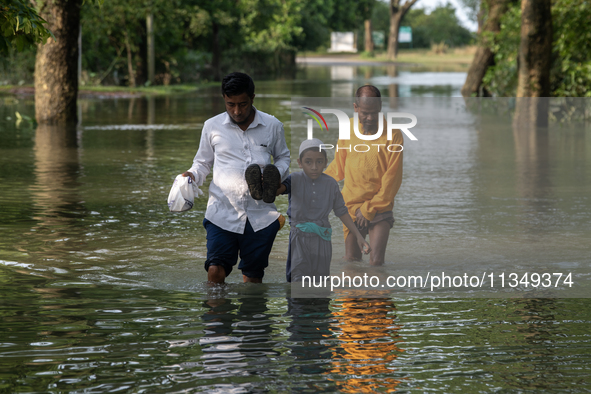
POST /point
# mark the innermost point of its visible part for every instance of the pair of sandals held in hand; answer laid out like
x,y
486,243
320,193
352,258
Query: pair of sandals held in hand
x,y
263,186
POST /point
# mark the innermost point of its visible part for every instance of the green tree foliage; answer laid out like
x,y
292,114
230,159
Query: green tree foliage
x,y
246,31
269,25
320,17
441,25
501,79
107,31
379,13
21,26
571,68
315,25
472,8
571,64
380,17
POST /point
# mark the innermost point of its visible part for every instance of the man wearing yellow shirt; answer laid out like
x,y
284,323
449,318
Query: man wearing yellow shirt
x,y
372,177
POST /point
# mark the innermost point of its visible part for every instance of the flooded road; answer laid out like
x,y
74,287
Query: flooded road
x,y
103,289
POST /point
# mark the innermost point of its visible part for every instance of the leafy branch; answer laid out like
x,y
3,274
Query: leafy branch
x,y
21,27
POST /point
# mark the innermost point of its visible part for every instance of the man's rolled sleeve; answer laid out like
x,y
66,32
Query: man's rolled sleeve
x,y
204,158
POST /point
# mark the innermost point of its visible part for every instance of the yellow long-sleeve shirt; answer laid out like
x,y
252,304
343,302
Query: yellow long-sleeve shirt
x,y
372,178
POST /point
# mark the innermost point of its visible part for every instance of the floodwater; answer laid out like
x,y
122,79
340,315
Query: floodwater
x,y
102,289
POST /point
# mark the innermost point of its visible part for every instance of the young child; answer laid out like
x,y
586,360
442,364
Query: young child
x,y
312,195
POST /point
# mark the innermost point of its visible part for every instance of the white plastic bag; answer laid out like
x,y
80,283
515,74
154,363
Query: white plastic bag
x,y
182,194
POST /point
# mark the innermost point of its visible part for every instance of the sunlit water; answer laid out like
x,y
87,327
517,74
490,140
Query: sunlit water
x,y
103,290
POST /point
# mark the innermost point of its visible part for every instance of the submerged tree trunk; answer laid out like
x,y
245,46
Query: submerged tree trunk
x,y
484,57
56,64
535,60
368,45
397,13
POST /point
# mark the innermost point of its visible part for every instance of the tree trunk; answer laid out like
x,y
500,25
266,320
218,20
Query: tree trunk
x,y
141,58
535,49
56,64
535,60
397,13
368,39
130,73
151,50
480,17
80,55
216,56
484,57
393,36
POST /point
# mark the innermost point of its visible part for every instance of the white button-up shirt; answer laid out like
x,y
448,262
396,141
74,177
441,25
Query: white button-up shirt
x,y
230,150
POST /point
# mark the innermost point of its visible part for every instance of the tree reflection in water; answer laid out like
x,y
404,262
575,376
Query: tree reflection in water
x,y
56,192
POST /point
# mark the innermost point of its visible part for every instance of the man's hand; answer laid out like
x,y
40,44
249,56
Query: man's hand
x,y
189,174
360,220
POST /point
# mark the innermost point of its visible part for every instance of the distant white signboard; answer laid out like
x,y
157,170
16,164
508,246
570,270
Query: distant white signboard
x,y
342,42
405,34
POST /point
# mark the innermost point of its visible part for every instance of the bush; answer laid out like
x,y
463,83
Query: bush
x,y
439,48
18,68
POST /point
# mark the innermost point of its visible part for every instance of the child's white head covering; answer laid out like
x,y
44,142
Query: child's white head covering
x,y
311,143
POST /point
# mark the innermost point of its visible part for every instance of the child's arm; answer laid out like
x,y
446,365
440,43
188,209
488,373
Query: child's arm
x,y
281,189
285,187
363,245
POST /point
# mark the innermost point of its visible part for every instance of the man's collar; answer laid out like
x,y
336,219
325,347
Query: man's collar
x,y
258,119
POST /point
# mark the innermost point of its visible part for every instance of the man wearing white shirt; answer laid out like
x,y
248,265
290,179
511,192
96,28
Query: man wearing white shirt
x,y
237,224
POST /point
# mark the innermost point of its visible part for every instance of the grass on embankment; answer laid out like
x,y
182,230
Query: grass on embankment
x,y
424,57
428,57
150,90
117,91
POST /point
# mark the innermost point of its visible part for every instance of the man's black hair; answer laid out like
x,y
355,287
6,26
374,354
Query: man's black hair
x,y
367,91
236,83
315,150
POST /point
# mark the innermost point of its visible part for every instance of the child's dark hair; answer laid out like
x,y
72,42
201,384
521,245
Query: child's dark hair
x,y
237,83
315,149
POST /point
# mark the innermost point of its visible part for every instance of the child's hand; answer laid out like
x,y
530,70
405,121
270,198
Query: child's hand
x,y
281,189
363,246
